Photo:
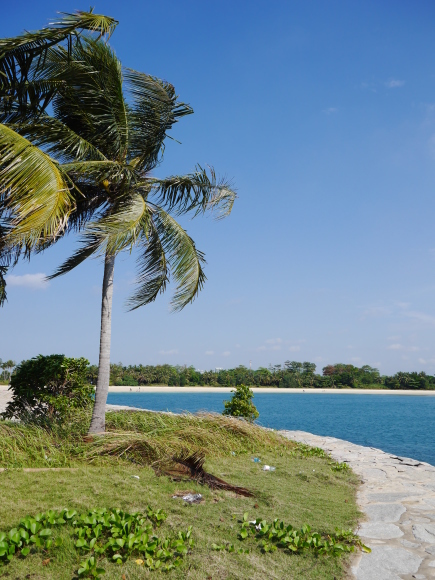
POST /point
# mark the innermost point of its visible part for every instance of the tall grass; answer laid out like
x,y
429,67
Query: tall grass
x,y
141,437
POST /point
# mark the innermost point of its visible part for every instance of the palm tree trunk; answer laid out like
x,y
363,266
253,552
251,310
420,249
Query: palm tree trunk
x,y
98,422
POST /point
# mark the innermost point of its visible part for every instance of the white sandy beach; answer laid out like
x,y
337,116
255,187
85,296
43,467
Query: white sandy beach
x,y
166,389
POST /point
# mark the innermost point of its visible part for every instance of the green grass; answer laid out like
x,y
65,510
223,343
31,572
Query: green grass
x,y
301,490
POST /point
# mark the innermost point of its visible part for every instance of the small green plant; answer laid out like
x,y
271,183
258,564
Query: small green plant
x,y
47,389
277,535
336,466
228,547
113,534
241,404
303,450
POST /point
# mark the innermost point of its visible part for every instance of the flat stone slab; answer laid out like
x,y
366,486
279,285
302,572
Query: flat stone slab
x,y
407,461
386,497
397,495
387,563
424,532
385,512
380,531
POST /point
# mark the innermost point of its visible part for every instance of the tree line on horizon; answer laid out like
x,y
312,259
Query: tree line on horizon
x,y
291,374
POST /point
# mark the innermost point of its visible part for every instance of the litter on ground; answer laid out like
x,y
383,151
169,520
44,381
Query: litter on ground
x,y
189,497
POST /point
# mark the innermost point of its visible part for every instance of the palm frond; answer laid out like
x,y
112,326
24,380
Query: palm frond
x,y
195,192
123,225
58,139
115,230
89,247
155,109
81,20
22,57
33,189
110,175
89,205
180,253
153,272
91,101
3,295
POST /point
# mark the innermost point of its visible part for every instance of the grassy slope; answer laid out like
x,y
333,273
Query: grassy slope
x,y
294,493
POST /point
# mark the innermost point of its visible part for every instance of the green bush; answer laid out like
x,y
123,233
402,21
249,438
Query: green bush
x,y
47,389
241,404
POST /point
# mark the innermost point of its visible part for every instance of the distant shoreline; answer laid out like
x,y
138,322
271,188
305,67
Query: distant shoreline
x,y
166,389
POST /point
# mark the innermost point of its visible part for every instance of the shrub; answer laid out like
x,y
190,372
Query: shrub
x,y
46,389
241,404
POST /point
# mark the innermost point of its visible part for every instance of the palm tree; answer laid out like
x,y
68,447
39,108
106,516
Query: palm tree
x,y
9,365
105,136
24,94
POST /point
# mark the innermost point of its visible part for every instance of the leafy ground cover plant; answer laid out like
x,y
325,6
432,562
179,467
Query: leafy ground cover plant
x,y
303,450
337,466
46,389
278,535
241,404
114,534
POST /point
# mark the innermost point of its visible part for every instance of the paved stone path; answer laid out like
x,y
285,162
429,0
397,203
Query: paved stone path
x,y
398,497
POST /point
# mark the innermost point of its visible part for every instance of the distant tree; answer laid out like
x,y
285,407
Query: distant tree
x,y
9,365
241,404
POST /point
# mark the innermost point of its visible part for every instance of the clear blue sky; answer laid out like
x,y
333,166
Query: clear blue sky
x,y
323,113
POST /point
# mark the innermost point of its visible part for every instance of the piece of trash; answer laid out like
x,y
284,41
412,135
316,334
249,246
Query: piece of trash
x,y
268,468
189,498
134,477
256,460
232,453
139,562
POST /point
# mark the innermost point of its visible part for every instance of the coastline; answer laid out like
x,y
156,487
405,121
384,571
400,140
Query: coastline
x,y
397,497
166,389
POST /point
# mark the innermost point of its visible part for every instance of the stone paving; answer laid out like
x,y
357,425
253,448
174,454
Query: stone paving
x,y
397,495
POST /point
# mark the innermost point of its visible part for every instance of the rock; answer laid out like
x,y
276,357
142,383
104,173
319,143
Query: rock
x,y
386,563
380,531
387,497
407,461
385,512
424,532
409,544
374,473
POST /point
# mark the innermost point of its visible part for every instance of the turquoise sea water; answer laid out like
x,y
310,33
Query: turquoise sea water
x,y
401,425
